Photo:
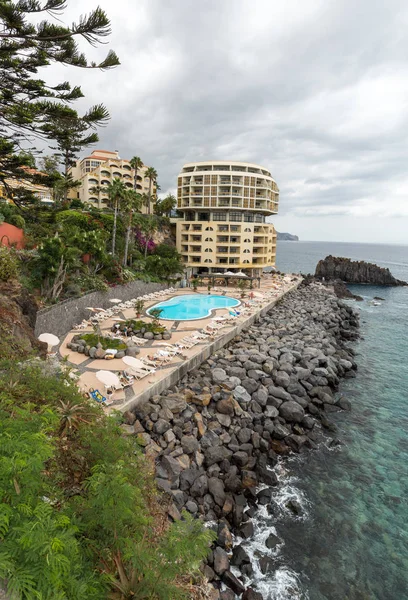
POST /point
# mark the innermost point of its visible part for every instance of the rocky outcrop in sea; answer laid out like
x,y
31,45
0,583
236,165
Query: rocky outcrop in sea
x,y
217,435
349,271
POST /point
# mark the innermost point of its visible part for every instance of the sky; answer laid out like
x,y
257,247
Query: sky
x,y
316,91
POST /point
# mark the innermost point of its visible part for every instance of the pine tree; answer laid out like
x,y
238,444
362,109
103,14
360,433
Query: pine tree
x,y
27,102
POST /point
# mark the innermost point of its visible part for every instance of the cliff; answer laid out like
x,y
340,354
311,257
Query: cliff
x,y
349,271
287,237
17,318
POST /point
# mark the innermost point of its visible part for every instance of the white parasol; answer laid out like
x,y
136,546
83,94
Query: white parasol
x,y
115,300
229,273
240,274
107,378
50,339
135,363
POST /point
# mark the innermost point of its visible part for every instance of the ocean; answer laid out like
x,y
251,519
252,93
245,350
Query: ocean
x,y
351,540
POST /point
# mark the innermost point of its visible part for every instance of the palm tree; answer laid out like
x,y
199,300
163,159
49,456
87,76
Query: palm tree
x,y
97,190
136,163
116,192
151,174
133,201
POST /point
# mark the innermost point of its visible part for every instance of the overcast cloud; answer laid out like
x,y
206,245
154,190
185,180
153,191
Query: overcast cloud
x,y
314,90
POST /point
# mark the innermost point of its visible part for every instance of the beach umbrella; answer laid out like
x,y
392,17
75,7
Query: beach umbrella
x,y
115,300
135,363
229,273
50,339
240,274
107,378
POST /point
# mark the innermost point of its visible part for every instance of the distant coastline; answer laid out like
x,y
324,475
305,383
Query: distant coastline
x,y
287,237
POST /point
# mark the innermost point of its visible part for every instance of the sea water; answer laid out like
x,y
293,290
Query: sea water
x,y
351,541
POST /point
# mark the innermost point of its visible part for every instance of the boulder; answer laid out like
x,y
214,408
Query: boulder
x,y
175,403
218,375
266,565
217,490
272,541
216,455
241,395
249,479
161,426
199,487
226,406
246,530
251,594
278,392
291,411
189,444
233,583
240,556
221,561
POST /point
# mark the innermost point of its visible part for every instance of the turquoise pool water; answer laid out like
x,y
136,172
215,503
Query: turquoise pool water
x,y
193,306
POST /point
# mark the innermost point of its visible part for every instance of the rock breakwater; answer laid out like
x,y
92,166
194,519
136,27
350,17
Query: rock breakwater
x,y
217,436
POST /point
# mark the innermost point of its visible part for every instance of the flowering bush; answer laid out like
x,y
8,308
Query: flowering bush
x,y
141,240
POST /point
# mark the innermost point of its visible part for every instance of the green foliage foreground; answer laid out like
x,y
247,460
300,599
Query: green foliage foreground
x,y
79,517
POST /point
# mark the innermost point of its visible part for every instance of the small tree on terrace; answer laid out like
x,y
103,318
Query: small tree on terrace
x,y
117,192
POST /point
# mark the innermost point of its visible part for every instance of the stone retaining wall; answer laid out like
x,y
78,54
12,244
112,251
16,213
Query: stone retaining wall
x,y
60,319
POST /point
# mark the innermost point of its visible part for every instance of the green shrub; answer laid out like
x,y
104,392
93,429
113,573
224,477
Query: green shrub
x,y
17,221
9,268
79,516
92,339
137,325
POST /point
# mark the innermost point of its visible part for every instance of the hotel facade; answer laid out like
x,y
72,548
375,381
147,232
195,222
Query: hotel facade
x,y
223,207
97,171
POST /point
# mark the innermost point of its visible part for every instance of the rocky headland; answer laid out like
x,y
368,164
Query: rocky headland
x,y
359,272
286,237
218,434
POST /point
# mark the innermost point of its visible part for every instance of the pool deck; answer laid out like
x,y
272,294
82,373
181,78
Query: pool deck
x,y
167,375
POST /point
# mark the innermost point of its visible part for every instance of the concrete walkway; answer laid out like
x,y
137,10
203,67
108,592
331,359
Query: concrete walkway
x,y
273,288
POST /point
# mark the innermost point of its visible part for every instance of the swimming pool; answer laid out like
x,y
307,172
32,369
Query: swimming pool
x,y
193,306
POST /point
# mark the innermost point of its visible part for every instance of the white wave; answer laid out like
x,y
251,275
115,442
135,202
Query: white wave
x,y
284,585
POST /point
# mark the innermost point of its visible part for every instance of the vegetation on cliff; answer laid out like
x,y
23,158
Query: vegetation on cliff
x,y
79,514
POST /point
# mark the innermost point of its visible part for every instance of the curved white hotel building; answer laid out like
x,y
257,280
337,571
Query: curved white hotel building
x,y
223,208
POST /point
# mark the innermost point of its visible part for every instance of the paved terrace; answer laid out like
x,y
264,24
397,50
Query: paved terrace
x,y
273,287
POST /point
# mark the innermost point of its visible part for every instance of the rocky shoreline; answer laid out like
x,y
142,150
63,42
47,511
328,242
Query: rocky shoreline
x,y
217,435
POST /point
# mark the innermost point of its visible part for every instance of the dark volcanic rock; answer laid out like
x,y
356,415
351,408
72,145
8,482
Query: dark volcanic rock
x,y
349,271
233,583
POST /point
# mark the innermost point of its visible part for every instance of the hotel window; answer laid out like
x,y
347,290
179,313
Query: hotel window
x,y
247,229
247,251
209,228
95,163
209,240
208,250
249,218
246,262
235,216
220,216
208,260
247,241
